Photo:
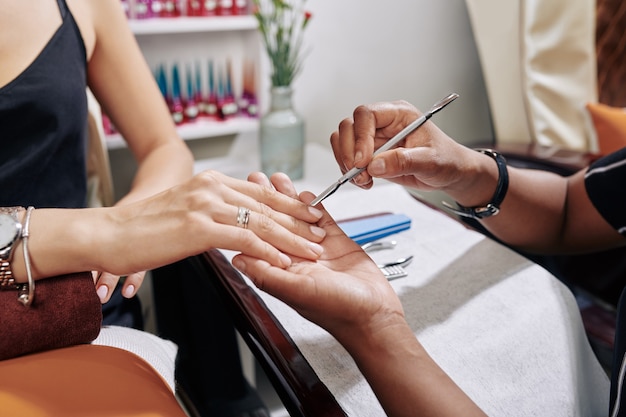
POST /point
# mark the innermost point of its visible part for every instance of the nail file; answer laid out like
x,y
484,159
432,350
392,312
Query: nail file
x,y
364,230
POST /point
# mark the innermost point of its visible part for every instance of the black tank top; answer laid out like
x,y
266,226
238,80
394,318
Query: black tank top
x,y
43,125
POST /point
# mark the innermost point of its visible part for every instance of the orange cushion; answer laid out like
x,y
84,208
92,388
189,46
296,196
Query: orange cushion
x,y
609,124
84,380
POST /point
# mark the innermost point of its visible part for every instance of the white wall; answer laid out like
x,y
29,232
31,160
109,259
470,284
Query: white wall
x,y
362,51
359,51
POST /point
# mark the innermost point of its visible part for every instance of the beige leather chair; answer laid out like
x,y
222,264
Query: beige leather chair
x,y
100,181
539,65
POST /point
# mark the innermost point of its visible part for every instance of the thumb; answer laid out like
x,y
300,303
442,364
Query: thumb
x,y
391,164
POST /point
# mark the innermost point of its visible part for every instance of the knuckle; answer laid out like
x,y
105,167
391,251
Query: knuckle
x,y
246,238
361,111
266,224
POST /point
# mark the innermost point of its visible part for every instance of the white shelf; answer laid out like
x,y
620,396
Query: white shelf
x,y
156,26
200,129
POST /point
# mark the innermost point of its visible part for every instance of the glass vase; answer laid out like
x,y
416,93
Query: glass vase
x,y
282,136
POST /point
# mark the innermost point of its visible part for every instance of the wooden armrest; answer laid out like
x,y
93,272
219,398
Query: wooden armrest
x,y
550,158
296,383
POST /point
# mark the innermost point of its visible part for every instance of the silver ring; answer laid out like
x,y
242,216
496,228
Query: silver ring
x,y
243,217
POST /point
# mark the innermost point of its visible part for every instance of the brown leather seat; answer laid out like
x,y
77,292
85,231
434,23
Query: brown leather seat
x,y
82,381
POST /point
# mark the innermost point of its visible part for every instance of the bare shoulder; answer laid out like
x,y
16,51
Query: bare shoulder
x,y
96,19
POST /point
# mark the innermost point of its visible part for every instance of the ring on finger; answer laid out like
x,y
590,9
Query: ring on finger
x,y
243,217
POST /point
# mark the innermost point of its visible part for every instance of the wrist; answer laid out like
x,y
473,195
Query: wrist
x,y
491,206
376,337
61,241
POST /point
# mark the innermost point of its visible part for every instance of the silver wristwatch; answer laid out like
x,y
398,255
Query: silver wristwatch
x,y
10,233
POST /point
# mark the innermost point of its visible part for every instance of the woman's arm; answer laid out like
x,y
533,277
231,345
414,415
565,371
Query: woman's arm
x,y
125,88
185,220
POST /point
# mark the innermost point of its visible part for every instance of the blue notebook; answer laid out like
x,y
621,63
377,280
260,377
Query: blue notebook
x,y
369,228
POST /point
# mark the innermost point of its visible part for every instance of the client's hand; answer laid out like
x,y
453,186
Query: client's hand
x,y
211,210
344,291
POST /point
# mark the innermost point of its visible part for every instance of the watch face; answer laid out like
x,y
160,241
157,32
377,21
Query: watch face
x,y
9,230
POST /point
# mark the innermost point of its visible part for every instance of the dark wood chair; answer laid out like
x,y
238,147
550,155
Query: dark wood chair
x,y
295,382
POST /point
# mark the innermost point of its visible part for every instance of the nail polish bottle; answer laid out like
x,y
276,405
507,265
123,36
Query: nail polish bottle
x,y
211,110
171,8
229,107
221,96
161,80
198,91
191,106
142,9
156,7
194,8
248,103
225,7
240,7
177,109
201,7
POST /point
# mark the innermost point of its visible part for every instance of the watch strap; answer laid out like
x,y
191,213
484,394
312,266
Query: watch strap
x,y
493,207
7,280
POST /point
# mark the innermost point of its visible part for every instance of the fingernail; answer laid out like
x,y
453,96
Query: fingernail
x,y
377,167
286,260
318,231
358,156
102,292
239,264
317,249
360,179
316,212
129,291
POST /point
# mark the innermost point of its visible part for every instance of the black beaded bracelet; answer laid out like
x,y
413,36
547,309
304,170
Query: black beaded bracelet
x,y
492,208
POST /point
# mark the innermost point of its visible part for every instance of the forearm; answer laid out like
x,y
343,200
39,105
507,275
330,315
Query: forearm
x,y
404,377
531,217
165,167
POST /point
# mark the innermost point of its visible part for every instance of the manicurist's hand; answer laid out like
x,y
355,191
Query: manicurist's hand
x,y
426,159
343,291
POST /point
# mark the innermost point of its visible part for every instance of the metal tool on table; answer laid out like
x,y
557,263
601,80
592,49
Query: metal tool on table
x,y
391,270
395,269
388,145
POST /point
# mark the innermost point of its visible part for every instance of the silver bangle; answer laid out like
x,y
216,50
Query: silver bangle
x,y
27,297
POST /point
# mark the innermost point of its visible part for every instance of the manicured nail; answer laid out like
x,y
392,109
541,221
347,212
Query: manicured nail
x,y
360,179
377,167
240,265
286,260
129,291
102,292
358,156
316,212
318,231
317,249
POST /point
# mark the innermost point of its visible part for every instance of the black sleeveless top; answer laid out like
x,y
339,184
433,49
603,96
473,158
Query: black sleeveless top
x,y
43,125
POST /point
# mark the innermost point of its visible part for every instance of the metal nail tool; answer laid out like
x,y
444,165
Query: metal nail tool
x,y
388,145
391,270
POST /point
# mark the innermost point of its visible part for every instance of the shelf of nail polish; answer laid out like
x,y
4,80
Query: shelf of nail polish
x,y
200,129
192,24
166,9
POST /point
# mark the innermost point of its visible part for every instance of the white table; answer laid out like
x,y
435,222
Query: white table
x,y
508,332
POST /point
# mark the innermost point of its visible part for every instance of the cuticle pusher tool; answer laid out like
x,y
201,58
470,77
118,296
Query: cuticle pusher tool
x,y
388,145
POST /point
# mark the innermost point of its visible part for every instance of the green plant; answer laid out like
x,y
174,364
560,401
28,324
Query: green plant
x,y
282,25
